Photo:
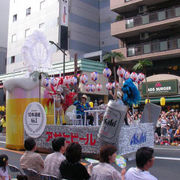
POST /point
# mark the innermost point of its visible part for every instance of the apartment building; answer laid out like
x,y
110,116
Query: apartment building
x,y
87,27
4,12
149,30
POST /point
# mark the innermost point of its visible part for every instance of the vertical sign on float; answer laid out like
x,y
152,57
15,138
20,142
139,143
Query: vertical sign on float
x,y
64,24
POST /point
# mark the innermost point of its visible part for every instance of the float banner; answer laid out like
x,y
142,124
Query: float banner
x,y
135,136
85,136
130,137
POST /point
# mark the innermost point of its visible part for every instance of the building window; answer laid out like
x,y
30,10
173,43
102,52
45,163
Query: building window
x,y
42,4
12,59
41,26
28,11
27,32
14,17
13,38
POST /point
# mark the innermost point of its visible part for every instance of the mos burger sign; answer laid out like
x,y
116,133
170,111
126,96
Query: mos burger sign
x,y
169,87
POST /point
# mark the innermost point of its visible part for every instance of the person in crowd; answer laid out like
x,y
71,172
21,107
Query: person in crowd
x,y
158,127
52,161
177,135
104,170
163,125
169,133
3,124
30,159
144,161
81,107
71,168
3,167
1,119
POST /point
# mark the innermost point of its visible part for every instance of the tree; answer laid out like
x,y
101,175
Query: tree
x,y
142,66
110,58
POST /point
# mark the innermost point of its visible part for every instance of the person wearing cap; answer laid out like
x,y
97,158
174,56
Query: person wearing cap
x,y
81,107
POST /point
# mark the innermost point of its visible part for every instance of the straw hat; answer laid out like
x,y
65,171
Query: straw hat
x,y
84,96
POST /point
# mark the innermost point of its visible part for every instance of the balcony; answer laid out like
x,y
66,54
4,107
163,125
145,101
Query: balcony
x,y
121,6
155,21
160,49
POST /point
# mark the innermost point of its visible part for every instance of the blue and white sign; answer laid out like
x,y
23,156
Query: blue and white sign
x,y
135,136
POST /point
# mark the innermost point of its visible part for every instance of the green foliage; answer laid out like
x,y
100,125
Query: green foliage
x,y
142,64
119,18
112,55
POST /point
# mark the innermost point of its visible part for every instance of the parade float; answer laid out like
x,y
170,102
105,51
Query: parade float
x,y
34,107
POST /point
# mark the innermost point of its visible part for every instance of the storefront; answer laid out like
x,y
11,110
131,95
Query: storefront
x,y
164,85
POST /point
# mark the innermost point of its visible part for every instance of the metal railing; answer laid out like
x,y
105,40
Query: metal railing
x,y
153,17
154,46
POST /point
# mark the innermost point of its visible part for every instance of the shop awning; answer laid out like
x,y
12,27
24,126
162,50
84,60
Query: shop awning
x,y
157,100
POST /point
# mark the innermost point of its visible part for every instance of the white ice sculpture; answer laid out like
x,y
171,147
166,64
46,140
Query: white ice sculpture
x,y
36,52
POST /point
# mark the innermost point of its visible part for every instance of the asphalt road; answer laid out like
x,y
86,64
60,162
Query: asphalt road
x,y
166,166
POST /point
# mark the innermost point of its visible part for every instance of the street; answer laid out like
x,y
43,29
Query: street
x,y
166,166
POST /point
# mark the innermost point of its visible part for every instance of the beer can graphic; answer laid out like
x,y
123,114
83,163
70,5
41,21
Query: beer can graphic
x,y
112,121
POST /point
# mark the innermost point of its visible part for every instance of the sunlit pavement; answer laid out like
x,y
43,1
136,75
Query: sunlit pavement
x,y
166,166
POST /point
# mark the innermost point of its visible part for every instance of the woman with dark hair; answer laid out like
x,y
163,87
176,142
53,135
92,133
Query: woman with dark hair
x,y
104,170
71,168
3,167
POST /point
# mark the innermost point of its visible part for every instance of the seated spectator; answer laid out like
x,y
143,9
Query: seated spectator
x,y
71,168
30,159
177,135
104,170
53,161
144,161
3,167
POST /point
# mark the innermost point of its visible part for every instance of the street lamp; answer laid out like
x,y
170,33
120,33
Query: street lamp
x,y
64,54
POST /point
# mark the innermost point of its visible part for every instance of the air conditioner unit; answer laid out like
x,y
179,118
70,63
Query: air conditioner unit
x,y
144,36
142,9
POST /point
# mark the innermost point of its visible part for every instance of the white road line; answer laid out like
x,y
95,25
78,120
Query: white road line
x,y
168,158
3,142
167,149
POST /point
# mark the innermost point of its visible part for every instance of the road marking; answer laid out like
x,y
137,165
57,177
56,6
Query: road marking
x,y
168,158
167,149
18,152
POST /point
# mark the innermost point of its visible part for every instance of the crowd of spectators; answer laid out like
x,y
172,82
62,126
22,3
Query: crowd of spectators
x,y
65,163
167,130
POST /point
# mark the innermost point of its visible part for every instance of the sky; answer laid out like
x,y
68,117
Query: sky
x,y
4,14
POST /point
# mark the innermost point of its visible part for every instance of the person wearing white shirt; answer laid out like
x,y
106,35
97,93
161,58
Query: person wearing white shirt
x,y
144,161
53,161
104,170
